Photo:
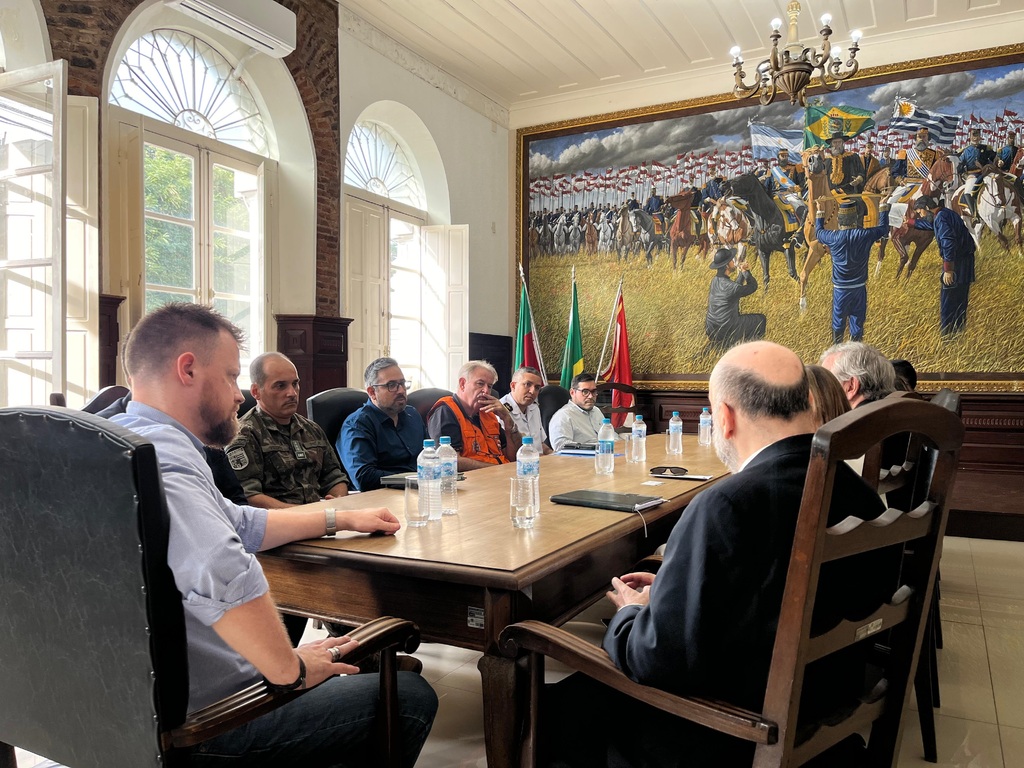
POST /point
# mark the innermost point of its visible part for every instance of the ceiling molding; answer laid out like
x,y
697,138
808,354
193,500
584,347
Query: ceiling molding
x,y
366,33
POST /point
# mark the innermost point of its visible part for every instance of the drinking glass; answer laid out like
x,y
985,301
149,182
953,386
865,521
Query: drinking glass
x,y
413,515
522,501
627,444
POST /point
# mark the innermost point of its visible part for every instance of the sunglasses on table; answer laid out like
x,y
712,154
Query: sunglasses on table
x,y
669,471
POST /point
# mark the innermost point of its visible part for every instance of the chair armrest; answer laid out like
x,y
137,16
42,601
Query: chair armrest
x,y
249,703
649,564
540,638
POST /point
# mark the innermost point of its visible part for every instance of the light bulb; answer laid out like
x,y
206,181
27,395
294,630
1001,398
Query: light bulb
x,y
856,35
776,24
735,51
826,19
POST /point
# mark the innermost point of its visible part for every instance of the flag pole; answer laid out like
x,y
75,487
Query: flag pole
x,y
533,324
565,353
611,322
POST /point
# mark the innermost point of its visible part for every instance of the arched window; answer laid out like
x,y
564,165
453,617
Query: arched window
x,y
177,78
376,161
204,147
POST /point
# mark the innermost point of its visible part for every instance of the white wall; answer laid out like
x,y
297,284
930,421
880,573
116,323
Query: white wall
x,y
474,155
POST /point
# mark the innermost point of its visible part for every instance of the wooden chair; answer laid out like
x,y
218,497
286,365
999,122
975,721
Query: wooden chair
x,y
780,740
606,397
550,399
423,400
93,660
58,399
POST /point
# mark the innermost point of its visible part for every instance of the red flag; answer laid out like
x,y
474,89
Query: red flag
x,y
619,369
527,350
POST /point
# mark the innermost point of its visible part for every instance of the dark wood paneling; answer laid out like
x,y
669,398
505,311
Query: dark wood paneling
x,y
110,336
318,346
988,497
497,350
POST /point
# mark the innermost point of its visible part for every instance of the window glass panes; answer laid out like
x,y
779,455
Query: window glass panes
x,y
233,193
231,265
238,311
376,161
170,259
156,299
169,179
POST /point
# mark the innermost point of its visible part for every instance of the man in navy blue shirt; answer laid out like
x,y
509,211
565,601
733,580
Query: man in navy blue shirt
x,y
385,436
850,247
956,247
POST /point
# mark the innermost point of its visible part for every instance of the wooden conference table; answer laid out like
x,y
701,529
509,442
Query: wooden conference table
x,y
464,578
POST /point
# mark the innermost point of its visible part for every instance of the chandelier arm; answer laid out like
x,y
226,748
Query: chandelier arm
x,y
741,90
767,93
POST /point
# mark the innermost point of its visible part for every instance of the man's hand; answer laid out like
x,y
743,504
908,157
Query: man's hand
x,y
490,404
377,520
743,266
319,659
622,594
947,278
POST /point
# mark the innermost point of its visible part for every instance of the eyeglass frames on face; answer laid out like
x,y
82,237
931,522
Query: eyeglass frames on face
x,y
393,386
587,392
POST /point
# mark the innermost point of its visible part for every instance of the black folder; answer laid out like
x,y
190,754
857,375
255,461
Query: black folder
x,y
619,502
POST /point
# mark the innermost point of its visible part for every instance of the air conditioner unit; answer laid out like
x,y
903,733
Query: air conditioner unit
x,y
262,24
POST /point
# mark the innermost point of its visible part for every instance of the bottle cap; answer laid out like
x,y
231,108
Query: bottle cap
x,y
638,417
675,413
527,440
445,440
606,421
428,443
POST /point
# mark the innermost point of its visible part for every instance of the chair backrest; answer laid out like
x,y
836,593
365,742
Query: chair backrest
x,y
248,403
57,398
913,534
331,407
92,655
423,400
948,399
104,398
550,399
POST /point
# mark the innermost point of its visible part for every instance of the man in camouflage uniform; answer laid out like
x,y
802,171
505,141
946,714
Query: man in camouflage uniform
x,y
282,459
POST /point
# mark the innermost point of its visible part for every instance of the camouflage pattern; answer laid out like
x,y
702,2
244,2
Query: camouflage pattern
x,y
293,463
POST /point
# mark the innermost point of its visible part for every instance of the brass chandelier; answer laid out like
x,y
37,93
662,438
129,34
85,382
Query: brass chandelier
x,y
790,70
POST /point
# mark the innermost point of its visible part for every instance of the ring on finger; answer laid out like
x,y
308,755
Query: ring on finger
x,y
335,655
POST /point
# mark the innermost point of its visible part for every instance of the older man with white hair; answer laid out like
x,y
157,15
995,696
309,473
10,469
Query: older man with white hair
x,y
865,373
482,431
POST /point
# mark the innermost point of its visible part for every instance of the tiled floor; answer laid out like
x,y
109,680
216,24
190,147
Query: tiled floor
x,y
981,672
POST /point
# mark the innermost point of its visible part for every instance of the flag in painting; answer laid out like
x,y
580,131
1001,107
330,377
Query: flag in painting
x,y
767,141
619,368
572,359
821,122
908,117
527,343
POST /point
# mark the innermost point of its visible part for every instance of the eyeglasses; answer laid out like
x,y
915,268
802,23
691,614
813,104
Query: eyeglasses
x,y
393,386
669,471
587,392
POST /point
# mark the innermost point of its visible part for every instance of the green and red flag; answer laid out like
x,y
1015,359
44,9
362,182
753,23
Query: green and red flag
x,y
527,343
619,369
572,358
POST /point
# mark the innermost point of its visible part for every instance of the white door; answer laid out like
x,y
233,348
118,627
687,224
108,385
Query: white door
x,y
32,256
366,257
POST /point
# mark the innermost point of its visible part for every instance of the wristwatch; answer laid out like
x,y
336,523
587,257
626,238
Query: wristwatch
x,y
329,519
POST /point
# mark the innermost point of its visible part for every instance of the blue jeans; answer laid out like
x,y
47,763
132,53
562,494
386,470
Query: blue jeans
x,y
332,725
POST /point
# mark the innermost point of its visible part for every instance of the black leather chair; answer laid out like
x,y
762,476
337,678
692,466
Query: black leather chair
x,y
247,404
104,398
423,400
550,399
93,661
331,407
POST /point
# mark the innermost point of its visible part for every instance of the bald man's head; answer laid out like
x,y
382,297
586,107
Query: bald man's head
x,y
761,379
759,395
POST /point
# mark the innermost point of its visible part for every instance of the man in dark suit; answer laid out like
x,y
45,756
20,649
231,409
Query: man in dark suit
x,y
705,626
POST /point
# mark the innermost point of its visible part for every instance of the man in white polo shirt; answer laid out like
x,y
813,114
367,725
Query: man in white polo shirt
x,y
521,402
579,420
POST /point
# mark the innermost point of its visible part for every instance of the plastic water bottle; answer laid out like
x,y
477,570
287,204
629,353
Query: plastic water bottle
x,y
675,435
704,428
428,479
639,446
528,465
604,459
449,471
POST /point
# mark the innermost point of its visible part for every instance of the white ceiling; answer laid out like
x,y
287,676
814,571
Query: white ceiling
x,y
521,53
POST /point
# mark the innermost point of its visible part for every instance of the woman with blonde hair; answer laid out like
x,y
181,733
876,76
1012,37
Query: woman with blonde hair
x,y
828,399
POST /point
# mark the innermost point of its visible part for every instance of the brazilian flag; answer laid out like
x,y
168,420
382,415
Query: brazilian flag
x,y
821,122
572,359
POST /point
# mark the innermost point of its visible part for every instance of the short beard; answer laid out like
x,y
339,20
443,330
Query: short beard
x,y
726,451
218,433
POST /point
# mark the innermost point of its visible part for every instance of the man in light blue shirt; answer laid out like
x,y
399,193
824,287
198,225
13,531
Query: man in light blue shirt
x,y
183,363
385,436
579,420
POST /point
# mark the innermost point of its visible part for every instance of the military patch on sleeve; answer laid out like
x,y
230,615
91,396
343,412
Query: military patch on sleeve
x,y
238,458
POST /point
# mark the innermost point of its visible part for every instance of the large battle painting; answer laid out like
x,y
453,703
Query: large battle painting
x,y
653,198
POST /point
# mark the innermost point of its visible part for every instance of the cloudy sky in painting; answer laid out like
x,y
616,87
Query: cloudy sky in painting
x,y
984,92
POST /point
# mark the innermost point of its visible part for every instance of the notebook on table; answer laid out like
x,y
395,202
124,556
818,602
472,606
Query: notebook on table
x,y
619,502
578,449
